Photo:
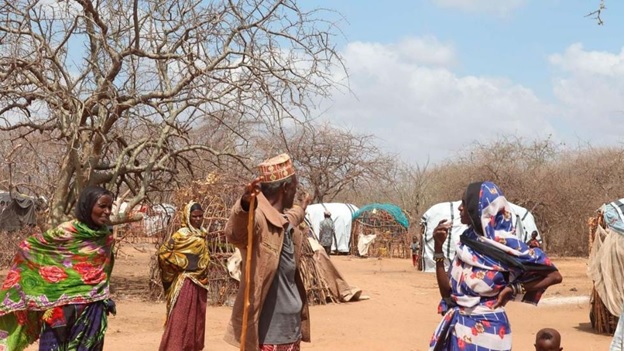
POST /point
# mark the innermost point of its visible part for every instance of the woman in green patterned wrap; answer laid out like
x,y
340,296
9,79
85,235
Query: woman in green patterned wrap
x,y
57,289
184,262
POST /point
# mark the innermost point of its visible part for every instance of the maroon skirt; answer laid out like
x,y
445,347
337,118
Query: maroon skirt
x,y
186,325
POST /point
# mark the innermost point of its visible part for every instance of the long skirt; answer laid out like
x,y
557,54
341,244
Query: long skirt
x,y
75,327
186,324
463,331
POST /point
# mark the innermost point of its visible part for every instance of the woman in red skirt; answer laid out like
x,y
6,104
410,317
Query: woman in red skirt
x,y
184,260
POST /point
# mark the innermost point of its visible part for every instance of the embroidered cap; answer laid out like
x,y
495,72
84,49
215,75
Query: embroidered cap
x,y
276,168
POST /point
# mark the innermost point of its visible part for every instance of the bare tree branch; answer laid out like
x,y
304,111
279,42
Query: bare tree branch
x,y
597,13
120,87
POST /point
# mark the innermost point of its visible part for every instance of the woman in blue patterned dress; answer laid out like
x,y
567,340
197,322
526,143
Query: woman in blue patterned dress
x,y
491,267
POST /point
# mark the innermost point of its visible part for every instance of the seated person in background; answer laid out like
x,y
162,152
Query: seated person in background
x,y
533,243
548,339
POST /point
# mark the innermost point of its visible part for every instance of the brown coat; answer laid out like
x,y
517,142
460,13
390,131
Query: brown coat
x,y
267,246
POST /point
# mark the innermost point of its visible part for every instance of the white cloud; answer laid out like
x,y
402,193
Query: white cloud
x,y
578,61
426,50
589,86
409,51
409,97
497,7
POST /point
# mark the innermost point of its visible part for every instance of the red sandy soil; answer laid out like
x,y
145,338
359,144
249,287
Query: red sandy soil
x,y
400,315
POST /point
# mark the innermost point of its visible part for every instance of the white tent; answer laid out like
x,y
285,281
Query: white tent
x,y
341,214
523,220
155,218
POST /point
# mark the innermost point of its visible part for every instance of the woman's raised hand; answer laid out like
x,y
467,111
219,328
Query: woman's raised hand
x,y
440,233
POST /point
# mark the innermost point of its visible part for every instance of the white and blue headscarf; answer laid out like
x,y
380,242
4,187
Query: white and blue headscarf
x,y
490,242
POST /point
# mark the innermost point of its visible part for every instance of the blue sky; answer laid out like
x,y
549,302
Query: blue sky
x,y
429,77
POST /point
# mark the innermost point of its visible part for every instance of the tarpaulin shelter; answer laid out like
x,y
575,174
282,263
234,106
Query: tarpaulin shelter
x,y
383,228
338,287
341,214
606,266
522,219
155,222
17,211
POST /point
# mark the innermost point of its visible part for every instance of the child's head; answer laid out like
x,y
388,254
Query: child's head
x,y
548,339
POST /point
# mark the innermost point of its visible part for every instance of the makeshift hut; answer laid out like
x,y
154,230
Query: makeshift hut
x,y
322,280
606,266
17,211
380,230
522,219
341,214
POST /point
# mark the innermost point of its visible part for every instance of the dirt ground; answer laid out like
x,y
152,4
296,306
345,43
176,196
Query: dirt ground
x,y
400,315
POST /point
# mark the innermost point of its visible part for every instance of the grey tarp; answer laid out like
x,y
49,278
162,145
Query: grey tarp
x,y
16,211
606,268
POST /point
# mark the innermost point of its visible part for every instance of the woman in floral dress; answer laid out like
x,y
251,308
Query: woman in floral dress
x,y
57,289
491,267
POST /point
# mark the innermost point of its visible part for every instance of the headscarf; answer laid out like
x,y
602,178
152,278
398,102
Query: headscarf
x,y
185,220
86,201
490,242
471,203
184,255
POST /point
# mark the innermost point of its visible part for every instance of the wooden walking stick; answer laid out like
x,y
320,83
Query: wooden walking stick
x,y
250,235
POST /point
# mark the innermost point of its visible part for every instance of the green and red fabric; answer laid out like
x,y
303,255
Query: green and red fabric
x,y
70,264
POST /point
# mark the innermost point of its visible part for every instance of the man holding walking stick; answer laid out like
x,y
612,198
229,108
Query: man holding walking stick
x,y
271,295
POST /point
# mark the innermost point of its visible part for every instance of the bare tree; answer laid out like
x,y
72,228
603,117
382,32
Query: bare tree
x,y
117,85
410,188
561,186
30,164
330,160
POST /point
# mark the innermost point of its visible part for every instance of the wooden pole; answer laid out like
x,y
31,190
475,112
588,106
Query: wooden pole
x,y
250,235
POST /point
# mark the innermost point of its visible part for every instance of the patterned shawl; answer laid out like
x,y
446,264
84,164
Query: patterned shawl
x,y
184,255
488,257
491,244
69,264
